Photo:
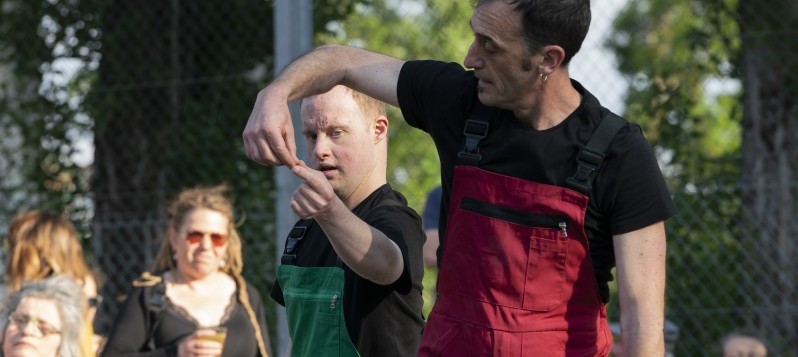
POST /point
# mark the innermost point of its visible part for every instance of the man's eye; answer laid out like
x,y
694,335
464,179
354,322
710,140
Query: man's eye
x,y
310,137
337,132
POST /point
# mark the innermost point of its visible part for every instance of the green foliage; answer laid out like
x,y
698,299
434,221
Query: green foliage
x,y
37,105
677,53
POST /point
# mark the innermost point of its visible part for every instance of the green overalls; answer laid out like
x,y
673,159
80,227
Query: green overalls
x,y
314,305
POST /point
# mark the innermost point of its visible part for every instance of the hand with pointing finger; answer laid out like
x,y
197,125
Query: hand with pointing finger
x,y
315,195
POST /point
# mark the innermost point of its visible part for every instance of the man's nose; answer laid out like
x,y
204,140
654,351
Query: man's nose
x,y
471,59
321,148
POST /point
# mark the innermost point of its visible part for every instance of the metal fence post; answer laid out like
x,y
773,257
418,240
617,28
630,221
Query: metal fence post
x,y
293,35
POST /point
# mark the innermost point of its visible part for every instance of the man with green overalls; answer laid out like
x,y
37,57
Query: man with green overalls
x,y
350,276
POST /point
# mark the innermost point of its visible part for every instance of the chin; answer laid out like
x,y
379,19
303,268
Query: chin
x,y
23,351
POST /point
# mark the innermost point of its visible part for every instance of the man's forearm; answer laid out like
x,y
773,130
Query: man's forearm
x,y
363,248
313,73
642,334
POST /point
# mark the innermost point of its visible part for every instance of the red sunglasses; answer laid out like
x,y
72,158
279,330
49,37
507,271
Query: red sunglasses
x,y
217,239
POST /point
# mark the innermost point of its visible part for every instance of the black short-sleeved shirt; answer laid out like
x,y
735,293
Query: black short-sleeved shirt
x,y
628,193
382,320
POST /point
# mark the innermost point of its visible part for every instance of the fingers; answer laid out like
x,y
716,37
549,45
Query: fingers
x,y
198,345
281,146
269,134
314,196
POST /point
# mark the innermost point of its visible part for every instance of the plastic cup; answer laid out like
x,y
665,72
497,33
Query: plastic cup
x,y
219,336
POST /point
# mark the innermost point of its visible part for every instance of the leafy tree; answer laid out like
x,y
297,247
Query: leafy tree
x,y
725,153
770,162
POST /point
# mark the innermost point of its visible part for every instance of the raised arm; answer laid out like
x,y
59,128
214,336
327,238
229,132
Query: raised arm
x,y
269,134
640,257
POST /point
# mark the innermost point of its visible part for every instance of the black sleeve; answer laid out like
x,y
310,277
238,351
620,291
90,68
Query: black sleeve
x,y
427,88
403,226
634,191
130,332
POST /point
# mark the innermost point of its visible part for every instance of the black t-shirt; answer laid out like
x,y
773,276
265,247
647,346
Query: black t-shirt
x,y
628,193
382,320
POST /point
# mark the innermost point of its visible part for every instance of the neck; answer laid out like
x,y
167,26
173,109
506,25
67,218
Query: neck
x,y
194,282
553,102
375,178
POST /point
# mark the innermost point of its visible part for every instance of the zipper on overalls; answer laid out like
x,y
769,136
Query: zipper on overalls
x,y
515,216
333,301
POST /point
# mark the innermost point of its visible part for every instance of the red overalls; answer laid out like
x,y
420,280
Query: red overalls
x,y
516,278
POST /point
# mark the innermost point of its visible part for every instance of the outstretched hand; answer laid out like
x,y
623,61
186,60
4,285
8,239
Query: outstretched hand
x,y
269,134
315,195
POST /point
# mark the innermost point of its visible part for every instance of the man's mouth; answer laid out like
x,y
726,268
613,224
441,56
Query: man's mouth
x,y
326,168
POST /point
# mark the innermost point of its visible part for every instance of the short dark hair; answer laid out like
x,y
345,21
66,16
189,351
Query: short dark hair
x,y
552,22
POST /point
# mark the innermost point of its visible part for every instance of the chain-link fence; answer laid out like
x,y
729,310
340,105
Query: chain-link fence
x,y
110,107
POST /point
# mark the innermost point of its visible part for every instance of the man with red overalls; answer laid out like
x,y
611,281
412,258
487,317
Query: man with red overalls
x,y
543,199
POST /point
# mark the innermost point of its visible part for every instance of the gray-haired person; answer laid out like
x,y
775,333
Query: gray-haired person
x,y
43,318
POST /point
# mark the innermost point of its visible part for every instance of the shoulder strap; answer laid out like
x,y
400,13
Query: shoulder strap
x,y
476,129
295,236
592,155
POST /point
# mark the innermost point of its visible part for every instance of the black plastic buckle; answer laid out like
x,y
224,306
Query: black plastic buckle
x,y
474,131
587,163
294,237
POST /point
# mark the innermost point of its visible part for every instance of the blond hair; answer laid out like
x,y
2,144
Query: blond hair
x,y
40,245
371,107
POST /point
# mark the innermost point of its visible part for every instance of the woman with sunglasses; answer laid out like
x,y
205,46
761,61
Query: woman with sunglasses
x,y
196,289
43,318
42,244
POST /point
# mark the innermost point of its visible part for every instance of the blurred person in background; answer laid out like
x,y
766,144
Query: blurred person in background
x,y
41,245
43,318
430,220
196,286
743,344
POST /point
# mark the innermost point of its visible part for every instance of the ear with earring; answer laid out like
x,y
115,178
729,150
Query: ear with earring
x,y
543,78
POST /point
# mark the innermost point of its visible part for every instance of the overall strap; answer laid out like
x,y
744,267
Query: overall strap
x,y
476,128
592,154
295,236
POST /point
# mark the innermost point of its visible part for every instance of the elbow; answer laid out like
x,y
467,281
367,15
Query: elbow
x,y
390,273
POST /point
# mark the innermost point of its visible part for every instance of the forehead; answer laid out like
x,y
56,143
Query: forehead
x,y
497,19
44,309
334,108
206,220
